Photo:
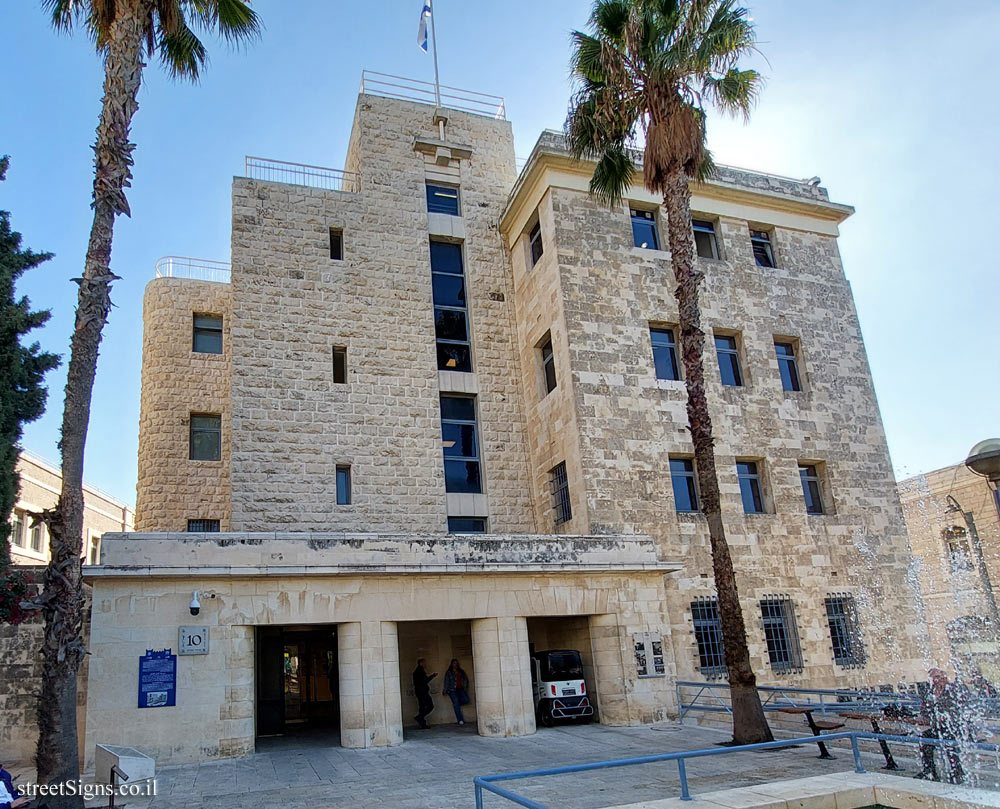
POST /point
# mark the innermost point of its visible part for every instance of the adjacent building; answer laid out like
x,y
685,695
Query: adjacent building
x,y
435,409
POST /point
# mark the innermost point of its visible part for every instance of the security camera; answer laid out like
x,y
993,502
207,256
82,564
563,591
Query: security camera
x,y
195,604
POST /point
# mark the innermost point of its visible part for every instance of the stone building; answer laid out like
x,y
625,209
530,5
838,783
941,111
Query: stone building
x,y
434,412
948,512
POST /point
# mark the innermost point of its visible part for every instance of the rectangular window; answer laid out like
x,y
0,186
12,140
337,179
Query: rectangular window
x,y
750,489
535,243
206,437
548,365
644,230
37,537
845,631
95,550
560,493
207,337
442,199
708,634
760,240
466,525
811,489
343,485
729,361
17,534
339,364
705,243
337,244
683,480
664,353
460,442
203,526
451,317
781,634
788,366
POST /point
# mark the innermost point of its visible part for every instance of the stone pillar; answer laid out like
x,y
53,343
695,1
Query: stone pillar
x,y
368,657
504,703
610,686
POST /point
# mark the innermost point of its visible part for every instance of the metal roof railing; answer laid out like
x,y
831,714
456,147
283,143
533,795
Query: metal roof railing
x,y
281,171
389,86
197,269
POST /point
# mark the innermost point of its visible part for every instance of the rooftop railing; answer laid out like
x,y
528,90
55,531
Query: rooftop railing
x,y
454,98
198,269
280,171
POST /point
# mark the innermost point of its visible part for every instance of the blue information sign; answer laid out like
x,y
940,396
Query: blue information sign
x,y
157,679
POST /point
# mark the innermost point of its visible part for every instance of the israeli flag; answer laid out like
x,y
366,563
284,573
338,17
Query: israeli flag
x,y
425,15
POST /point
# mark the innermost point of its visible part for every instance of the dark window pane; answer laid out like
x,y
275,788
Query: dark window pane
x,y
750,493
787,366
449,290
683,483
811,489
343,485
336,244
466,525
664,353
729,361
206,438
704,239
559,481
458,408
535,239
462,477
203,526
459,440
760,241
450,324
781,635
339,365
644,230
548,367
446,257
708,635
442,199
207,336
454,357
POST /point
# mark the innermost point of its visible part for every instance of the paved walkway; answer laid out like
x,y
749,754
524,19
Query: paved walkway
x,y
434,770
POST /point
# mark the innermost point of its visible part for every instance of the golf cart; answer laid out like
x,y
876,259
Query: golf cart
x,y
559,688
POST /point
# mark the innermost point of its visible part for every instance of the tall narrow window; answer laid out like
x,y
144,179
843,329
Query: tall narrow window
x,y
760,240
535,243
339,364
17,533
845,631
203,526
750,490
548,365
466,525
708,635
95,550
207,334
705,242
788,366
206,437
560,493
644,230
460,442
781,634
451,317
728,353
337,244
811,489
683,482
664,353
37,537
956,545
343,485
442,199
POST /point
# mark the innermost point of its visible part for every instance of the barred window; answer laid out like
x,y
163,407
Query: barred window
x,y
845,631
203,526
781,634
708,634
560,493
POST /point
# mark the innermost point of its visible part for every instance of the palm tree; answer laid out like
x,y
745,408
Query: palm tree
x,y
124,32
648,69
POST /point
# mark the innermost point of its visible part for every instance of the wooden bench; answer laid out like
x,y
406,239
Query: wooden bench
x,y
817,728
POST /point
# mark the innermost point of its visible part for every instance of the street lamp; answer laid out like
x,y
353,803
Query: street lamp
x,y
984,460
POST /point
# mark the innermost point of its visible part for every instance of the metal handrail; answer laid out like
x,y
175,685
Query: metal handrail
x,y
281,171
198,269
406,89
488,782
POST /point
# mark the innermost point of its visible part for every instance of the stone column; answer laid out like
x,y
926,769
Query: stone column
x,y
504,703
368,657
610,686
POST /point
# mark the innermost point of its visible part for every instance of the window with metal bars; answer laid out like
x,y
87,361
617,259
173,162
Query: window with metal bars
x,y
782,635
708,634
845,631
560,493
203,526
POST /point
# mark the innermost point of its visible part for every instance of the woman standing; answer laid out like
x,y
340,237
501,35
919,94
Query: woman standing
x,y
456,686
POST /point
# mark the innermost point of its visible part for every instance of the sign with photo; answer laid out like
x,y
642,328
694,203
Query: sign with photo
x,y
157,679
649,655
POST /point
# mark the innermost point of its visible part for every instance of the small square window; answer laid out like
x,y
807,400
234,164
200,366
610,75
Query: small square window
x,y
560,493
535,243
548,365
207,336
682,479
343,485
337,244
664,353
763,253
206,437
203,526
751,492
466,525
727,351
705,242
812,489
788,366
442,199
339,365
644,230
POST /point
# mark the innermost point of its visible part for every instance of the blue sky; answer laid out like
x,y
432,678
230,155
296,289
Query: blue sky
x,y
893,104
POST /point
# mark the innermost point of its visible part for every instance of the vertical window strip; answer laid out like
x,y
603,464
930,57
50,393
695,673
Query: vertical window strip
x,y
845,631
451,314
781,634
560,493
708,636
460,445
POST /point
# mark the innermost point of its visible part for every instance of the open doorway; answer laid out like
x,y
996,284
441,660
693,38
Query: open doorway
x,y
574,680
437,642
298,694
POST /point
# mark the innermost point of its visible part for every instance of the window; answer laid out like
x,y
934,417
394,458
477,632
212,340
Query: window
x,y
708,635
37,537
442,199
17,533
451,318
845,631
811,490
705,242
664,353
206,437
337,244
548,365
760,241
956,544
749,477
683,481
644,230
466,525
95,550
207,337
460,441
729,361
343,485
339,364
788,366
535,243
781,634
203,526
560,493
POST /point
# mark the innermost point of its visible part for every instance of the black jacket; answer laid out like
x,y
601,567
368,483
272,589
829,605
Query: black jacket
x,y
421,682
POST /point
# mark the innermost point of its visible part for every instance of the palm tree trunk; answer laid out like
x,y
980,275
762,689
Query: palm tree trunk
x,y
749,723
57,756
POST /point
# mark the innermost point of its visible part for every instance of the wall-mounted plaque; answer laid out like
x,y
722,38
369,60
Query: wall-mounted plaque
x,y
157,679
192,640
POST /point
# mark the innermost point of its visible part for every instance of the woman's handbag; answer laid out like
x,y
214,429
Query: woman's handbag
x,y
463,696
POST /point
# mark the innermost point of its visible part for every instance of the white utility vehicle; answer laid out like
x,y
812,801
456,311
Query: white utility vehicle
x,y
559,688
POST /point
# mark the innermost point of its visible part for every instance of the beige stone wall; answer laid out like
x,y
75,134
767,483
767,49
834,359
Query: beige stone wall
x,y
176,382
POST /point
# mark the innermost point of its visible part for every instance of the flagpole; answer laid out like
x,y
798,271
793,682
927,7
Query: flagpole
x,y
434,36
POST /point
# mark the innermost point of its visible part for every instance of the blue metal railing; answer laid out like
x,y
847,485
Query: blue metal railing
x,y
488,782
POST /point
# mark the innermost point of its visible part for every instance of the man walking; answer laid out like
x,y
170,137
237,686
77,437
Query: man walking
x,y
422,691
947,706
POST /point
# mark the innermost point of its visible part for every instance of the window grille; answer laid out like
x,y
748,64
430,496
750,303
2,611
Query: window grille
x,y
203,526
560,493
708,634
845,631
782,634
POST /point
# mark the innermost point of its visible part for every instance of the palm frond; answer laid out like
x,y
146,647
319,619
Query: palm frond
x,y
613,175
586,61
182,53
609,19
735,93
233,20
